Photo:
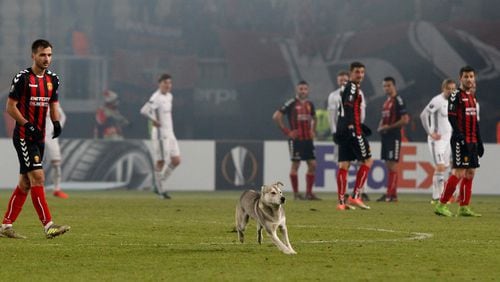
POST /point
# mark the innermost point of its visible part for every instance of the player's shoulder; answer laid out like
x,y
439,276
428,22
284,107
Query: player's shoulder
x,y
20,76
289,102
454,96
399,100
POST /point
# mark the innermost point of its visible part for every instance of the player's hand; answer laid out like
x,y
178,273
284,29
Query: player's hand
x,y
33,132
435,136
383,128
57,129
335,138
156,123
313,134
480,149
366,130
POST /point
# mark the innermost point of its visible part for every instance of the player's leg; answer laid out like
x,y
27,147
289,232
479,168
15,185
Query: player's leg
x,y
392,181
310,178
36,177
310,158
53,150
361,149
175,157
345,156
294,149
14,207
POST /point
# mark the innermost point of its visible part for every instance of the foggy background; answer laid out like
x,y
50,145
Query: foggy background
x,y
234,62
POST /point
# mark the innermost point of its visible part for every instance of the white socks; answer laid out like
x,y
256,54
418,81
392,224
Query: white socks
x,y
437,184
56,176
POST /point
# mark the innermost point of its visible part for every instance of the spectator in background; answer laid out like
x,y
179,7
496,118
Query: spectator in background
x,y
109,120
394,117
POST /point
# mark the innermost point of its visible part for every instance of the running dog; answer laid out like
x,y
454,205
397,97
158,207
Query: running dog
x,y
267,209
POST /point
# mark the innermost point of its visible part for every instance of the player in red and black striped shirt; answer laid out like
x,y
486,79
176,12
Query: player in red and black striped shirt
x,y
302,121
394,117
351,137
33,91
466,144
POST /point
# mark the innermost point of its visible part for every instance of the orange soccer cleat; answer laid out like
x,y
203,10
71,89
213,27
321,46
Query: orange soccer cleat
x,y
60,194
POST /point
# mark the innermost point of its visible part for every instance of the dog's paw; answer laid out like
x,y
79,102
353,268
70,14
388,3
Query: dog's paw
x,y
290,252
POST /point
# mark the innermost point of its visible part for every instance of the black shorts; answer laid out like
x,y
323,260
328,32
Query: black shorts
x,y
464,156
391,148
301,150
353,148
30,154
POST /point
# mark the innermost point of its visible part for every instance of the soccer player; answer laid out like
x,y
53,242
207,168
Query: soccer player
x,y
334,103
33,91
159,110
351,139
394,117
434,119
54,153
302,121
466,144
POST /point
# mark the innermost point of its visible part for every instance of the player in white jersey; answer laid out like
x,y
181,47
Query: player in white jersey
x,y
435,122
166,148
334,104
53,150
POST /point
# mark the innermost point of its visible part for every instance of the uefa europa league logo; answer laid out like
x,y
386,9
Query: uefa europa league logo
x,y
238,155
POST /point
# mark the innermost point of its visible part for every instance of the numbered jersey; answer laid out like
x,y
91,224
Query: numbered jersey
x,y
462,114
33,94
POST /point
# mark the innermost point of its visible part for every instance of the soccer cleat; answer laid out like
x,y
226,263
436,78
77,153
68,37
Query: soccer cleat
x,y
298,196
312,197
358,203
342,207
60,194
466,211
434,201
165,196
382,198
56,230
393,199
442,209
9,232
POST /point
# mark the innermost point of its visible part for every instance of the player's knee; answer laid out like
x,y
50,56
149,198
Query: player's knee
x,y
175,161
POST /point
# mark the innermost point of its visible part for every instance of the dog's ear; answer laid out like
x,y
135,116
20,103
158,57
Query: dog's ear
x,y
280,184
262,189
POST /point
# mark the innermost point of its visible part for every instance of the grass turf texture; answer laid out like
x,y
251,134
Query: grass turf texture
x,y
134,236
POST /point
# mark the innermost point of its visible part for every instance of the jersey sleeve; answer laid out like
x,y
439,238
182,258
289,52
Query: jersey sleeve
x,y
363,106
333,110
401,107
148,110
348,97
453,103
16,88
285,108
313,109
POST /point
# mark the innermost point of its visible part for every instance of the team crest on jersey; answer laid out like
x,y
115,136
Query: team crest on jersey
x,y
431,106
49,86
36,159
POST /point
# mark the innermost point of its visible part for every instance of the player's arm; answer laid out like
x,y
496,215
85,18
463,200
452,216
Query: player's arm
x,y
333,112
14,112
348,96
363,107
426,117
314,121
149,110
404,116
55,117
278,119
452,113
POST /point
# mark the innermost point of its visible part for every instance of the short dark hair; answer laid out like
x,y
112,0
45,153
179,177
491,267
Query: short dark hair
x,y
391,79
355,65
466,69
40,43
302,82
163,77
342,73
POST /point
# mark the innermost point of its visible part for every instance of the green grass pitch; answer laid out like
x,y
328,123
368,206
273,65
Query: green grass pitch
x,y
134,236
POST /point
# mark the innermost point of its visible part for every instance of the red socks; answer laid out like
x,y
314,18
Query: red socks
x,y
451,185
360,179
341,184
309,183
465,191
40,204
16,203
295,183
392,184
